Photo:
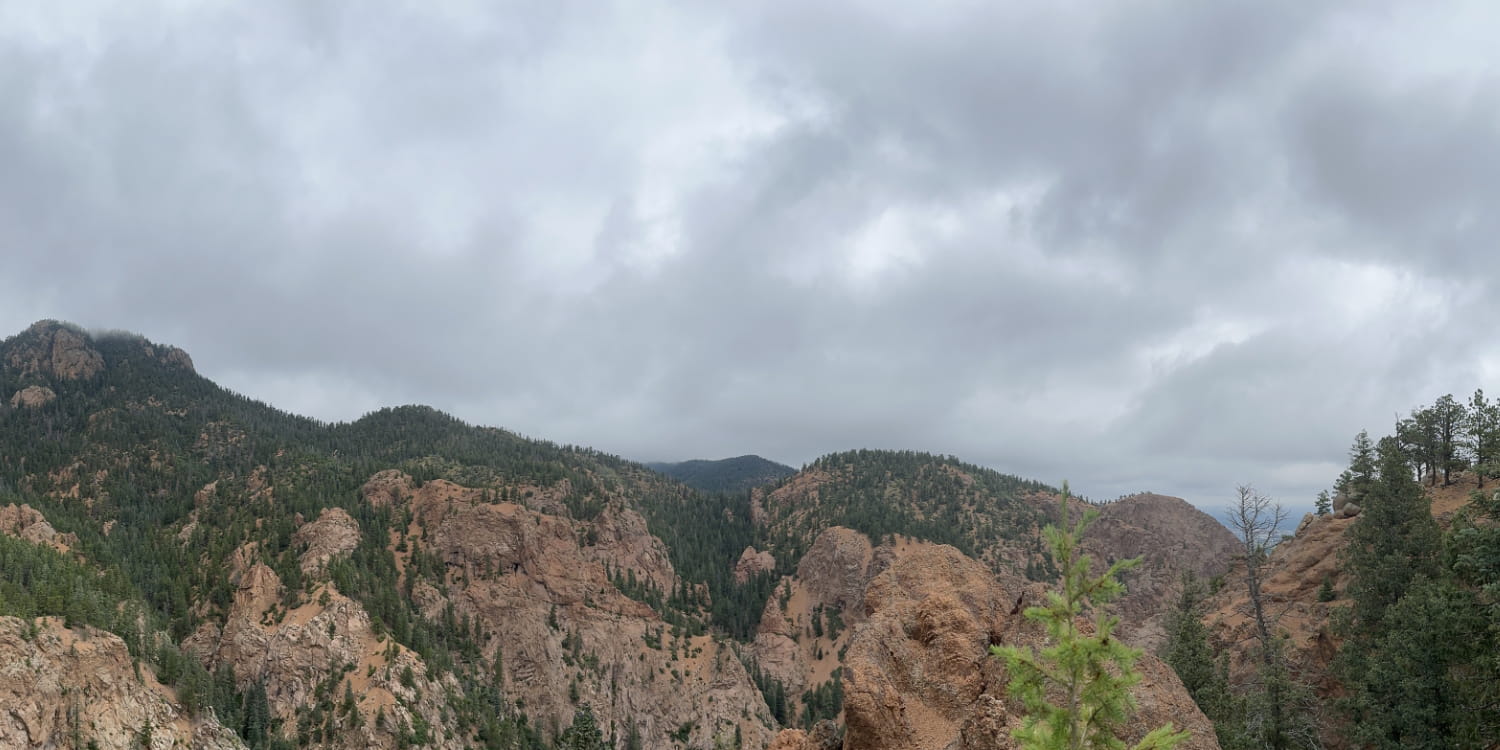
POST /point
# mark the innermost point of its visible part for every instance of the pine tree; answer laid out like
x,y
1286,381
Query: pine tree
x,y
1394,541
1482,426
1192,657
584,734
1092,673
1393,553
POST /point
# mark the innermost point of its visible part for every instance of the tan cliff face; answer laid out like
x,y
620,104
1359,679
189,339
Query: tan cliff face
x,y
24,522
1291,580
66,687
324,643
1169,535
828,588
335,534
917,673
1171,538
753,563
55,350
564,636
33,397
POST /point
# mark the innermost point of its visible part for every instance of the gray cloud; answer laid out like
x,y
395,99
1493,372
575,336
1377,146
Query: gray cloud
x,y
1170,246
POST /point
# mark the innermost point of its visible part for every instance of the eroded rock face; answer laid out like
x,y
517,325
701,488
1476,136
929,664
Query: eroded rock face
x,y
33,397
752,564
830,581
335,534
55,350
917,672
1171,537
327,639
64,688
170,356
25,522
387,488
833,569
1291,579
535,584
619,538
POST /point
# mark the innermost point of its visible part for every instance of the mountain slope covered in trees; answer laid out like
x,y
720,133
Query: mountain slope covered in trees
x,y
726,474
410,580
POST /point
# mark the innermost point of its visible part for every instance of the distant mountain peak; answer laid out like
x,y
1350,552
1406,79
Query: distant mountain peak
x,y
726,474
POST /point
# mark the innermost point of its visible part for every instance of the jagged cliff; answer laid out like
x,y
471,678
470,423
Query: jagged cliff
x,y
76,688
1171,538
406,579
916,671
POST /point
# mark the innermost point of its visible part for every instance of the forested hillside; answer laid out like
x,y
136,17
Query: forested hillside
x,y
176,488
409,580
1378,623
992,516
726,474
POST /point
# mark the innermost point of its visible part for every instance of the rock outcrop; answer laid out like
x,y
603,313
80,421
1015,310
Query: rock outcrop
x,y
32,397
618,538
335,534
535,584
73,688
1172,538
917,672
752,564
52,349
326,646
799,636
1290,583
25,522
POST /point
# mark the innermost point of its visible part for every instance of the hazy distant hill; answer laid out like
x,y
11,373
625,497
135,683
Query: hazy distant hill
x,y
725,475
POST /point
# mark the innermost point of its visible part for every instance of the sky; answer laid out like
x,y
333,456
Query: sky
x,y
1159,245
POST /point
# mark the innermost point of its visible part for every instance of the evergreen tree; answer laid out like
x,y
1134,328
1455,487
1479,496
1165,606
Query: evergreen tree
x,y
1394,541
1092,674
1392,553
1482,426
1189,653
584,734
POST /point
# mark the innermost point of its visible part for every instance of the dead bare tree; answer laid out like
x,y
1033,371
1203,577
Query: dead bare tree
x,y
1256,520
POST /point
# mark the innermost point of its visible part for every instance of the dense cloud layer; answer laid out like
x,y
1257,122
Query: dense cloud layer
x,y
1158,245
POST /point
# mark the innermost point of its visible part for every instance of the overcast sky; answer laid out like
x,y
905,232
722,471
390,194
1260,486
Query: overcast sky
x,y
1145,244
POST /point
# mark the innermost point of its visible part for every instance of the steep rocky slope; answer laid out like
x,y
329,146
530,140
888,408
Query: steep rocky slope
x,y
72,688
25,522
1293,577
997,519
407,579
917,673
1171,538
537,586
1303,585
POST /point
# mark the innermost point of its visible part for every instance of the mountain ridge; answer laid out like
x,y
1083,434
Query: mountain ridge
x,y
735,474
409,578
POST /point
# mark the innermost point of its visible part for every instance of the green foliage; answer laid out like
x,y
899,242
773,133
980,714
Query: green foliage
x,y
1092,674
823,702
1199,665
38,581
584,733
1325,591
730,475
1324,503
1418,661
1395,541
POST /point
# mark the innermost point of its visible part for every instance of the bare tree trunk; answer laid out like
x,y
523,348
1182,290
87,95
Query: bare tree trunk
x,y
1257,520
